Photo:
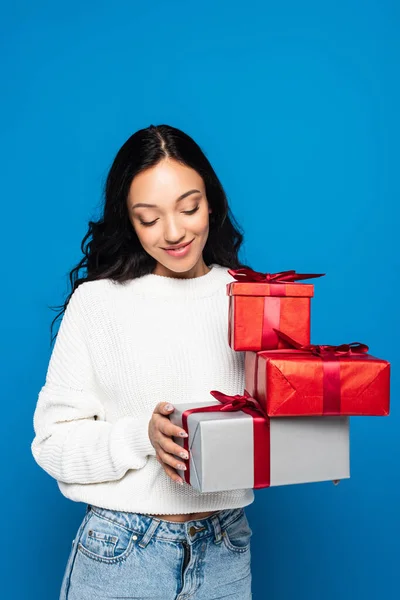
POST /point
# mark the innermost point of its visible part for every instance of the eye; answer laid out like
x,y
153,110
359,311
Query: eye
x,y
147,224
186,212
191,212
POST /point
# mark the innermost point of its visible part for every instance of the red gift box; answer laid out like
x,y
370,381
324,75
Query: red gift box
x,y
318,380
262,302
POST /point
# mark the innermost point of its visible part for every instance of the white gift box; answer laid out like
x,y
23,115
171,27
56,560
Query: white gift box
x,y
300,449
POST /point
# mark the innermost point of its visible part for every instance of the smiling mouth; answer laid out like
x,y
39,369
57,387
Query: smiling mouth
x,y
178,248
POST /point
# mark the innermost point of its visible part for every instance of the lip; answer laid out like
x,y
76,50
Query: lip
x,y
180,250
178,246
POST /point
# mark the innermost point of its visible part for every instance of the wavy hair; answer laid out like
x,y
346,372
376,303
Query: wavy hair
x,y
111,248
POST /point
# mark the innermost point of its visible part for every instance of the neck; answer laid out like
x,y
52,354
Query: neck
x,y
183,288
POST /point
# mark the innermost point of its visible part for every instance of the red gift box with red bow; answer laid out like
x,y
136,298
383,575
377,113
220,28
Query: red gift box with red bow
x,y
262,302
307,380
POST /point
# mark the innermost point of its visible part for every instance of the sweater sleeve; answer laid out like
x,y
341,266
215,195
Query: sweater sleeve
x,y
74,443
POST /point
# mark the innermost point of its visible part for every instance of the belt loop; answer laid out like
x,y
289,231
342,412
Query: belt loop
x,y
217,528
149,533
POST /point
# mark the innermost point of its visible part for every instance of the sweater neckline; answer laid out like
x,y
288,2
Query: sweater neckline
x,y
163,286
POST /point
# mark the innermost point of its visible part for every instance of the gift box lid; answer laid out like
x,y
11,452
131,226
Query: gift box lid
x,y
239,288
255,283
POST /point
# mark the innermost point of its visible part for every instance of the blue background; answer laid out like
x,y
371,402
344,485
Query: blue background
x,y
296,104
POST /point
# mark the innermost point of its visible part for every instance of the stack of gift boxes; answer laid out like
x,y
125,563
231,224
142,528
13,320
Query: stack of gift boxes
x,y
291,424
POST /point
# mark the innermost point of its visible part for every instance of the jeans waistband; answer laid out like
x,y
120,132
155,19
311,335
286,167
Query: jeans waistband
x,y
189,531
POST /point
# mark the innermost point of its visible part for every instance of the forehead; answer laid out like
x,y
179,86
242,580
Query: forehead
x,y
165,181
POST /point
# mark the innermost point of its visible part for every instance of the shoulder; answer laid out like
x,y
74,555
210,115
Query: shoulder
x,y
223,273
93,305
89,293
87,289
99,287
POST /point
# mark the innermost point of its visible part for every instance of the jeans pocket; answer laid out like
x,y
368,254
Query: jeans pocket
x,y
237,534
71,560
106,541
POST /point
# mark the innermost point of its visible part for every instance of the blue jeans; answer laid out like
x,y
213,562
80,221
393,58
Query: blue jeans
x,y
133,556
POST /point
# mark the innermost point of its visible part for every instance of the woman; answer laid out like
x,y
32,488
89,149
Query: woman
x,y
144,329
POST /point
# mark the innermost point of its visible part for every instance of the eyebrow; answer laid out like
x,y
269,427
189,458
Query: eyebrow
x,y
142,204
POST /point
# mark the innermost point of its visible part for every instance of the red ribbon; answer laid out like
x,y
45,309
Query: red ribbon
x,y
248,275
261,435
271,320
323,350
272,306
330,356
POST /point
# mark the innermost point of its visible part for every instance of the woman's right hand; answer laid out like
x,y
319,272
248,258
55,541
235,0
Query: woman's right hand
x,y
161,431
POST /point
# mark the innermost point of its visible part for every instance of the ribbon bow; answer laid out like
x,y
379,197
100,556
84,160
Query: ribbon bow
x,y
237,402
248,275
323,350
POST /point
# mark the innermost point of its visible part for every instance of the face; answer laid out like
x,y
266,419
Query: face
x,y
167,207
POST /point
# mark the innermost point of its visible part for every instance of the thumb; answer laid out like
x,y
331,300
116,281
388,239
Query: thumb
x,y
165,408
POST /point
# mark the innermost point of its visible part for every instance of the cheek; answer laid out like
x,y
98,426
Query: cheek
x,y
201,224
145,236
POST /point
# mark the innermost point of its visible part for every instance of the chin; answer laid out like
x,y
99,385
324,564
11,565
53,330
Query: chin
x,y
184,265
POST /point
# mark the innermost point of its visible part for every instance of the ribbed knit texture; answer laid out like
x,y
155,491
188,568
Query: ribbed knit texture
x,y
121,349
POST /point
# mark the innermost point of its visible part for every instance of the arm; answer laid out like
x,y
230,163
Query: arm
x,y
73,442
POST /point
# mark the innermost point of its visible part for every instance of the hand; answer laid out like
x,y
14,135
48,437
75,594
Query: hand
x,y
161,431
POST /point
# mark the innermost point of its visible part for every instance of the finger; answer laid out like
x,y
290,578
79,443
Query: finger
x,y
168,428
173,474
169,446
163,408
160,440
170,471
171,460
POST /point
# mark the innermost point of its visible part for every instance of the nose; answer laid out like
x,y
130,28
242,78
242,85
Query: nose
x,y
174,233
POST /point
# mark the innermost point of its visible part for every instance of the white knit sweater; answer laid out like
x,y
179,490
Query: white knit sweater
x,y
121,349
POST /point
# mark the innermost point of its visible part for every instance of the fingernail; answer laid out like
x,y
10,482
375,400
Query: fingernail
x,y
179,481
181,467
169,407
183,434
183,455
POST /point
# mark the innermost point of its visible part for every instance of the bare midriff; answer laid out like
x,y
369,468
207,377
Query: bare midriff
x,y
185,517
